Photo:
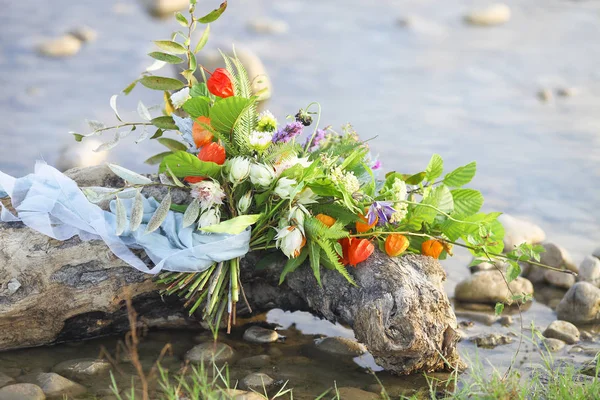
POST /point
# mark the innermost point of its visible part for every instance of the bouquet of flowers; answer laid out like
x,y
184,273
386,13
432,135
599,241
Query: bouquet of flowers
x,y
308,192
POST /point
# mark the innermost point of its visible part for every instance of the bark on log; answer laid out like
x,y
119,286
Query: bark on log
x,y
74,290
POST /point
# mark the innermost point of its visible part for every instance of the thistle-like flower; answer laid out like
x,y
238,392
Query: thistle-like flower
x,y
208,193
288,132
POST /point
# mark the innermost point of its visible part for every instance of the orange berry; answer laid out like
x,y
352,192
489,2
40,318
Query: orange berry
x,y
326,220
201,135
396,244
362,227
359,251
432,248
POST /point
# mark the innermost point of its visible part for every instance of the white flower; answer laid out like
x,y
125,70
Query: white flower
x,y
297,215
245,202
290,162
346,180
260,141
261,175
285,188
307,196
267,122
401,211
399,192
209,217
180,97
290,240
208,193
239,169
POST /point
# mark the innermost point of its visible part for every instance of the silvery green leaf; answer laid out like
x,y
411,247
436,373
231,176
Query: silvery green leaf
x,y
185,127
143,111
121,217
174,178
160,214
191,213
113,105
144,135
156,65
112,143
165,180
137,212
97,194
130,176
95,125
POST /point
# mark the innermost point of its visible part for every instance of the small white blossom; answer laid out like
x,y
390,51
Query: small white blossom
x,y
297,215
307,196
399,192
290,240
245,202
239,169
346,180
260,141
208,193
209,217
179,98
285,188
290,162
262,175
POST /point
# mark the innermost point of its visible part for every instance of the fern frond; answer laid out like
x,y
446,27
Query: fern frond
x,y
281,152
337,211
332,258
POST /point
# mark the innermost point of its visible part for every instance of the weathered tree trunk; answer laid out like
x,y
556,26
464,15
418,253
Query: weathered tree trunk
x,y
55,291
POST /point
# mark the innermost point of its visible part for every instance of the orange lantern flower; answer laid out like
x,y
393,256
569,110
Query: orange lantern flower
x,y
201,135
220,84
363,225
326,220
345,242
432,248
396,244
359,251
213,152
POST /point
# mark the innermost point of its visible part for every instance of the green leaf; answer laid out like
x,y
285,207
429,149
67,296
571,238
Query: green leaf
x,y
157,158
512,271
425,212
169,58
203,39
416,178
165,123
199,90
233,226
461,175
181,19
161,83
180,208
160,214
434,168
172,144
130,87
197,107
467,201
293,264
499,308
184,164
314,252
78,136
159,132
225,114
214,14
191,213
171,46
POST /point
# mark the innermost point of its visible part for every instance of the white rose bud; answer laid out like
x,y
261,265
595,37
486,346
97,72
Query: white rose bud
x,y
245,202
239,169
261,175
290,240
285,188
209,217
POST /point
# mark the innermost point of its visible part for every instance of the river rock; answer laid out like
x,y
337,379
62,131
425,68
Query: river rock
x,y
488,266
352,393
490,287
209,352
236,394
268,26
259,361
82,368
63,46
257,381
589,271
340,346
519,231
164,8
559,279
553,345
491,340
54,385
22,391
5,379
562,330
554,256
495,14
257,334
506,320
84,34
580,305
485,318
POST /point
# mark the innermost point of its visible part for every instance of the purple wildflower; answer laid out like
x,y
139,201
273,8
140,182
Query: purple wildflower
x,y
381,209
376,166
319,136
288,132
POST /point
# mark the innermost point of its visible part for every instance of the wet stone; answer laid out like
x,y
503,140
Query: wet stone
x,y
580,305
585,335
490,287
559,279
351,393
519,231
5,379
236,394
259,361
209,352
257,381
506,320
63,46
495,14
484,318
82,368
553,345
491,340
589,271
22,391
562,330
341,346
257,334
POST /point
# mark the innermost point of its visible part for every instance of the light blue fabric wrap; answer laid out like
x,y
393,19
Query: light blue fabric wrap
x,y
51,203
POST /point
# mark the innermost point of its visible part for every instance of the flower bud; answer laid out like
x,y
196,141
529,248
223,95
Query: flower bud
x,y
297,215
285,188
260,141
209,217
290,240
239,169
261,175
304,118
245,202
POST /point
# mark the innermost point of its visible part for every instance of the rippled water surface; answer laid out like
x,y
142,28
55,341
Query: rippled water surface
x,y
437,85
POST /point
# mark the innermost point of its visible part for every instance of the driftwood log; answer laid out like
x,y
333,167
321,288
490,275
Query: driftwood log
x,y
53,291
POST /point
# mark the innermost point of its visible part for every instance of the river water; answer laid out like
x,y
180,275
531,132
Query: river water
x,y
436,85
